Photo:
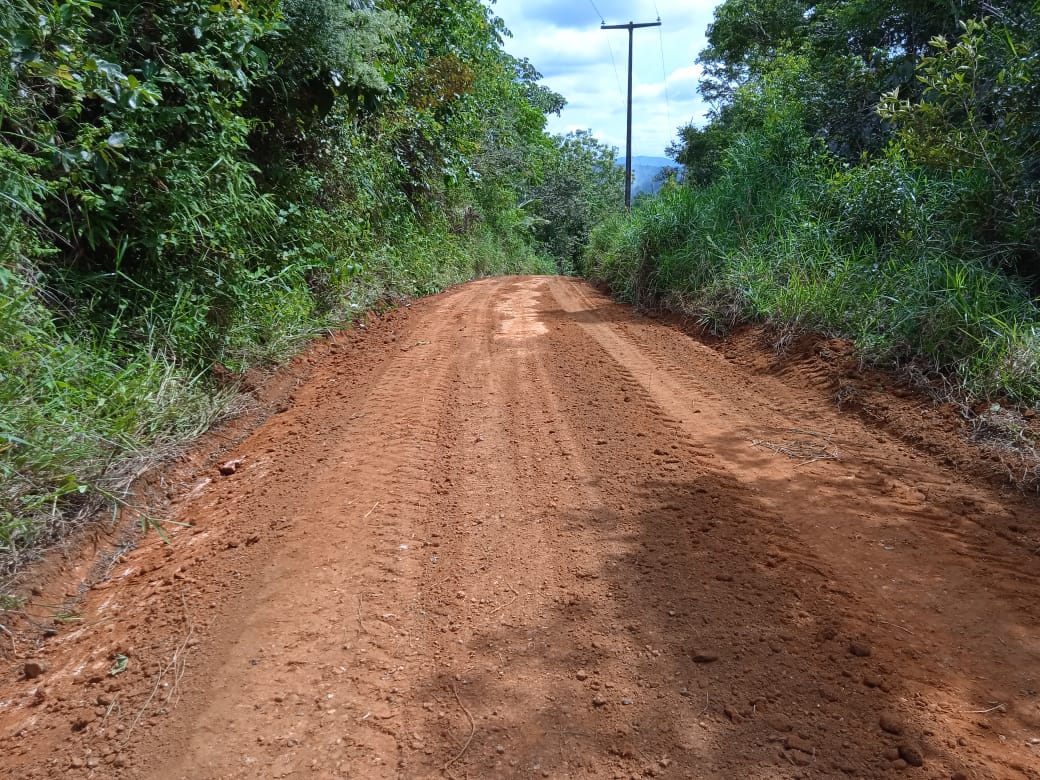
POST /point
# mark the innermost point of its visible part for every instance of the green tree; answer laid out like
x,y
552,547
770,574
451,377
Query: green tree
x,y
582,184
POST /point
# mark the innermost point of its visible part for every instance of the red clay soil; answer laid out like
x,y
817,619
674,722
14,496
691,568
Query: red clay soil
x,y
520,531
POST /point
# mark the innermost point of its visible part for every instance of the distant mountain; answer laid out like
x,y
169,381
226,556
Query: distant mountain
x,y
645,170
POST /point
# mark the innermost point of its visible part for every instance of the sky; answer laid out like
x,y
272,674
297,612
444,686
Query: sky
x,y
588,66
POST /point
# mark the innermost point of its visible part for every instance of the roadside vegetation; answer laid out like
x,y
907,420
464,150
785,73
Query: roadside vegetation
x,y
871,170
191,189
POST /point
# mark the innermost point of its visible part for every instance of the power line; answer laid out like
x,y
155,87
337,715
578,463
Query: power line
x,y
664,74
613,62
617,76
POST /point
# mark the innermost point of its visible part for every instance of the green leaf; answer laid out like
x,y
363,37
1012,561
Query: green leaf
x,y
118,140
121,662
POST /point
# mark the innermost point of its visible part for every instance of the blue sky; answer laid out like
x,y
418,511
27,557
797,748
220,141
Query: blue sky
x,y
563,40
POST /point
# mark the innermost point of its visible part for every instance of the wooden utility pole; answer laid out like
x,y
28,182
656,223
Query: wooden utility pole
x,y
628,137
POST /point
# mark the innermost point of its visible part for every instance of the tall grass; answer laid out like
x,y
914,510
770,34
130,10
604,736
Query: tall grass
x,y
879,254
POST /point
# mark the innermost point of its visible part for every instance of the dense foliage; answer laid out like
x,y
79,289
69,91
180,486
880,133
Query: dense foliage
x,y
196,184
870,170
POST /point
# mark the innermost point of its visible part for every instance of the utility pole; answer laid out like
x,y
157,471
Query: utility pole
x,y
628,137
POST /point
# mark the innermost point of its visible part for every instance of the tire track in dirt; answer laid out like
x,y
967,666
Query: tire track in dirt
x,y
348,583
522,532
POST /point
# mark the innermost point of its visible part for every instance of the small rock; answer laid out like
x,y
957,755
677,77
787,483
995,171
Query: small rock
x,y
911,753
626,701
82,719
705,658
831,693
500,749
598,701
33,669
77,763
859,649
899,764
891,723
891,754
231,466
582,675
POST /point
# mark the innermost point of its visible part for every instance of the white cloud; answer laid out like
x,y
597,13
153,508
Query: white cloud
x,y
587,65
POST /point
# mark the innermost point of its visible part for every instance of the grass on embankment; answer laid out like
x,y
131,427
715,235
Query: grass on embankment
x,y
88,401
873,255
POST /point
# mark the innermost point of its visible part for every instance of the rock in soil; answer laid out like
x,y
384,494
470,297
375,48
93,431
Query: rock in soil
x,y
911,753
33,669
891,723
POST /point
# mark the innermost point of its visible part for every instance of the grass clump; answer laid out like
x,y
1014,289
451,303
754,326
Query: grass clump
x,y
793,264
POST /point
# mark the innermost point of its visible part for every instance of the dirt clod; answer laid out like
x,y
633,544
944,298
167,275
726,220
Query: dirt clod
x,y
859,649
890,722
33,669
230,467
795,742
911,753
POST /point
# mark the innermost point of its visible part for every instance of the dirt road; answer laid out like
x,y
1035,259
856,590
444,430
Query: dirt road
x,y
520,531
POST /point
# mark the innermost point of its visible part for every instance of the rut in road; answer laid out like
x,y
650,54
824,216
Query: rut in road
x,y
520,531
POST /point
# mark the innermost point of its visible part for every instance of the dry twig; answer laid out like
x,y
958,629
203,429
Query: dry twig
x,y
800,449
177,664
895,625
360,622
999,706
147,702
707,705
180,662
509,604
803,449
472,730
